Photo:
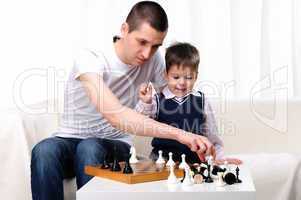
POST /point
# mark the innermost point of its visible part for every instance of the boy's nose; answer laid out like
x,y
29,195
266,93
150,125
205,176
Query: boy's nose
x,y
182,81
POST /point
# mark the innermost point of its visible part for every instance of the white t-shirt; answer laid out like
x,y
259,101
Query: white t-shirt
x,y
80,118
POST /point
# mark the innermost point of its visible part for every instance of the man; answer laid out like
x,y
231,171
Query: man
x,y
99,97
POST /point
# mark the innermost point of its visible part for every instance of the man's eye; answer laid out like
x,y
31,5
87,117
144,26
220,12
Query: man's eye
x,y
156,46
142,43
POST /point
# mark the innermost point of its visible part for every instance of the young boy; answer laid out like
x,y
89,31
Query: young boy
x,y
181,106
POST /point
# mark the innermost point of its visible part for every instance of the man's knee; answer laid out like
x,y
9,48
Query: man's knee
x,y
46,150
91,147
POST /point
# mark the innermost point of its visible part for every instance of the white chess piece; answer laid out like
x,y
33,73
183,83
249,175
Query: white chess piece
x,y
188,180
172,179
209,160
133,158
183,163
160,159
170,161
220,182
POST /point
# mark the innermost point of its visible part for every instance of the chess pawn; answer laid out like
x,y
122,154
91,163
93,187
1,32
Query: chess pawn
x,y
220,182
133,158
115,167
160,159
127,168
188,181
183,163
170,161
209,178
105,164
237,175
172,179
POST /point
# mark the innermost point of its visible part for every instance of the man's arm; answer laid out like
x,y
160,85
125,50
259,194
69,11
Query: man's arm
x,y
132,122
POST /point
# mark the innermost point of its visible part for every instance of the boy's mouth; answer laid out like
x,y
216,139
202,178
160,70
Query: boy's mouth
x,y
181,89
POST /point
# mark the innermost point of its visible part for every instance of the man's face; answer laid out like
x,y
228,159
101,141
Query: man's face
x,y
141,43
180,80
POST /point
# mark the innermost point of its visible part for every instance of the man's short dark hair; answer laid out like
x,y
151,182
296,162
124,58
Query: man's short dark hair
x,y
182,54
150,12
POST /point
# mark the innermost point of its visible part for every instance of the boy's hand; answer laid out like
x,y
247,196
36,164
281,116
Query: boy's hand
x,y
145,93
233,161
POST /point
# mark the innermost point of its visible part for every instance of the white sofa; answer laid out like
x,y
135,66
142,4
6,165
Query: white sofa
x,y
255,132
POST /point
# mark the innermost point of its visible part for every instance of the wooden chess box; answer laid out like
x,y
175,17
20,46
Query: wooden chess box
x,y
143,171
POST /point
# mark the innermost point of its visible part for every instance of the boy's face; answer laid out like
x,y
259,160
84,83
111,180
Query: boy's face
x,y
141,43
180,80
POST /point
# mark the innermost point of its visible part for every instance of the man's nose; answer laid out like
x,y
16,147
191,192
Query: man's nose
x,y
146,52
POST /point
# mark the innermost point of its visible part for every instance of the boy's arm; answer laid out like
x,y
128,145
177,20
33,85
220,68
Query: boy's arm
x,y
148,109
128,120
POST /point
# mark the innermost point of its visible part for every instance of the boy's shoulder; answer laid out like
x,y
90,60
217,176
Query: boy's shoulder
x,y
197,93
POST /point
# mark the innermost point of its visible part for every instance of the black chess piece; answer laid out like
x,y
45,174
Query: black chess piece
x,y
237,175
194,168
105,164
115,167
127,168
217,169
229,178
202,171
209,178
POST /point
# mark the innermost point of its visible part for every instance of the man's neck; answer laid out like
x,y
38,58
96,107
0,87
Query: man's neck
x,y
118,46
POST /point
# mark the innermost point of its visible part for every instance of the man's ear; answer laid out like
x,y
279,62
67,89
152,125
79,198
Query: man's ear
x,y
124,29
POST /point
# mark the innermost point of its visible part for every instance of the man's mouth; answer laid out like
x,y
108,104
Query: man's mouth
x,y
141,60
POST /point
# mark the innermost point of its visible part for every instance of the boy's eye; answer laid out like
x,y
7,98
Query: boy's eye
x,y
176,77
189,77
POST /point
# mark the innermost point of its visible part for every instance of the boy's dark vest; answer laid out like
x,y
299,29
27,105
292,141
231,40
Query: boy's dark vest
x,y
187,115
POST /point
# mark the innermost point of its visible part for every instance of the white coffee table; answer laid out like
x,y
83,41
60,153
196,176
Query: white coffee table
x,y
99,188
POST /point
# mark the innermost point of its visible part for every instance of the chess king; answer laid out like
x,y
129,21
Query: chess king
x,y
181,106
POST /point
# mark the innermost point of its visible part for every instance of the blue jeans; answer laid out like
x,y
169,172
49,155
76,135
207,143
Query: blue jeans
x,y
57,158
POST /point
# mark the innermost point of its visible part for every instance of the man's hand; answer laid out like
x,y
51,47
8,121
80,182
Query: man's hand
x,y
145,93
199,144
233,161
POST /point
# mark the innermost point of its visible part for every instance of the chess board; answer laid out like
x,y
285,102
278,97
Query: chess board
x,y
143,171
